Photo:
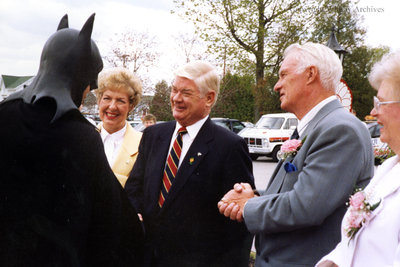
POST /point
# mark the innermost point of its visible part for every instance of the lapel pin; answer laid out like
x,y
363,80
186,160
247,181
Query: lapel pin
x,y
199,154
191,160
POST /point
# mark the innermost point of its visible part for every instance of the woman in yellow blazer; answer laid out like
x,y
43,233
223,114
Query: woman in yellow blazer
x,y
119,92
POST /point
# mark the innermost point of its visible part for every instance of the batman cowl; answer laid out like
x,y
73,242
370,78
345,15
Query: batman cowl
x,y
70,61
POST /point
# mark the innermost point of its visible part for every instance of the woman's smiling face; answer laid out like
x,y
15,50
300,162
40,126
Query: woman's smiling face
x,y
114,107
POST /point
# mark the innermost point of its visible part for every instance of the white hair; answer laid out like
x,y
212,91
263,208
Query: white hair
x,y
322,57
388,69
203,75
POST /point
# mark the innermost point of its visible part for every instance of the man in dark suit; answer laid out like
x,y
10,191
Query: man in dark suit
x,y
183,169
297,218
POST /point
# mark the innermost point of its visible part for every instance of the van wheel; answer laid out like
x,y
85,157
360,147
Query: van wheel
x,y
275,153
254,156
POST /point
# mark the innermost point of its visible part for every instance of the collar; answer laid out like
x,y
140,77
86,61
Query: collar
x,y
193,129
116,136
311,114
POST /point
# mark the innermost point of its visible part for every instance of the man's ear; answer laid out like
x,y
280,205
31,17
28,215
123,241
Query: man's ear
x,y
210,98
312,73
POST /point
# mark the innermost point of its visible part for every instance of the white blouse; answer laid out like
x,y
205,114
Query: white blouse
x,y
112,143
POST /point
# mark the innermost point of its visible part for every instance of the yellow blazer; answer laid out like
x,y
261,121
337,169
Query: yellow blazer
x,y
127,154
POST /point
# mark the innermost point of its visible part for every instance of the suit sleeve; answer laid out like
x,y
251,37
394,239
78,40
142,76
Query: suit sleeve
x,y
336,157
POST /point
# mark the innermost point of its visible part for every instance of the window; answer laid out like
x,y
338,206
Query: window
x,y
270,122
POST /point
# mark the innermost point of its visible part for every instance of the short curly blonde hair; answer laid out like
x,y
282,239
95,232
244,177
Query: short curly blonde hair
x,y
121,80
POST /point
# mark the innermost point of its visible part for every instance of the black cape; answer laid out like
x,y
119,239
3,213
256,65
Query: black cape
x,y
60,205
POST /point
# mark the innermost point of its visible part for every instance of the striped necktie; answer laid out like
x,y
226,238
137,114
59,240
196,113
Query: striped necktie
x,y
171,167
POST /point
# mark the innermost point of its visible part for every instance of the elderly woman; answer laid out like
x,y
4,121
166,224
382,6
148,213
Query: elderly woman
x,y
371,226
119,92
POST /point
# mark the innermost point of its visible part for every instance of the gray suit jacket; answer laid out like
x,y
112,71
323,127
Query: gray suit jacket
x,y
297,219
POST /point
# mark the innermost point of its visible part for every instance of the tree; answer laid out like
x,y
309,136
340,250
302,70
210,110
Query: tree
x,y
160,105
236,99
191,47
343,16
255,30
133,50
251,34
357,66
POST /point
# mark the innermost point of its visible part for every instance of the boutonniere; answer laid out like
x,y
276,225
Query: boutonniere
x,y
360,212
290,148
191,160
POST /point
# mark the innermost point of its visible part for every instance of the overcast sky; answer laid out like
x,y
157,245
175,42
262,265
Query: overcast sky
x,y
25,26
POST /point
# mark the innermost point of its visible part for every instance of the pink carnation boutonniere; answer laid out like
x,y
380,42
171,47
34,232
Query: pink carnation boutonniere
x,y
360,212
290,148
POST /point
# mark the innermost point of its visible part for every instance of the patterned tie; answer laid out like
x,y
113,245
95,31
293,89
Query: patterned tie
x,y
171,167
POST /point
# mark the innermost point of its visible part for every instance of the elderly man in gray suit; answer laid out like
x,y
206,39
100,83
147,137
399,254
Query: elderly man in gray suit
x,y
297,218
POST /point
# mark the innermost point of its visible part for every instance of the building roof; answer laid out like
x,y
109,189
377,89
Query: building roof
x,y
14,81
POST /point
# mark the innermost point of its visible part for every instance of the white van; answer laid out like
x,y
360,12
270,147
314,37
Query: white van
x,y
269,133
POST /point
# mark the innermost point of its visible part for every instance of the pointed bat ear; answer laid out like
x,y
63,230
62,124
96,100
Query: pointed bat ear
x,y
86,30
63,23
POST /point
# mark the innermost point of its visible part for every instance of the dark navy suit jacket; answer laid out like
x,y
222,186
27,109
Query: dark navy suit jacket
x,y
188,230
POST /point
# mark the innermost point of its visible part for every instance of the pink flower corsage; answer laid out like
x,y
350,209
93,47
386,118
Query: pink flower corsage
x,y
360,212
290,148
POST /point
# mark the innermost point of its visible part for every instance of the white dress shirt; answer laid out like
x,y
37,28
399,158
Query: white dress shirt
x,y
187,139
112,143
311,114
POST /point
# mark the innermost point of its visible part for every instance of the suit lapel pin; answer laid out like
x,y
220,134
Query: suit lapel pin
x,y
199,154
191,160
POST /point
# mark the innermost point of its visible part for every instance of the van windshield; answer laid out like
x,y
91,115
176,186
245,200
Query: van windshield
x,y
270,122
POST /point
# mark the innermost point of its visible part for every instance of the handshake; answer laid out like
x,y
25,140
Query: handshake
x,y
232,204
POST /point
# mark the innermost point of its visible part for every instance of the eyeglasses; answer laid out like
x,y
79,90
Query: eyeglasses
x,y
377,103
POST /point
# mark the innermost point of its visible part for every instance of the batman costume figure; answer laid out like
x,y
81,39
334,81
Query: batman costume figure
x,y
61,204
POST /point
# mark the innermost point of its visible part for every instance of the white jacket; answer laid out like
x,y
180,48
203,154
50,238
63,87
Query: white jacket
x,y
376,244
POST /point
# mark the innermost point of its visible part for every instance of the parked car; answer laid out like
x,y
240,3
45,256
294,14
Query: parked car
x,y
269,133
134,123
248,124
231,124
375,131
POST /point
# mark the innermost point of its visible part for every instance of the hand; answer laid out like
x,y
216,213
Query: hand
x,y
327,263
232,204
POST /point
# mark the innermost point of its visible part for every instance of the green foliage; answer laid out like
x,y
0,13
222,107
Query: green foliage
x,y
342,15
267,100
236,99
248,31
356,68
160,105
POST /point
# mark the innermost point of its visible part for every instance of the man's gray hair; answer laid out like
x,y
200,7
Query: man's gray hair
x,y
322,57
